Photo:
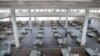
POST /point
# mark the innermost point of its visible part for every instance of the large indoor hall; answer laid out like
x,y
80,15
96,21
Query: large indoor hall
x,y
49,28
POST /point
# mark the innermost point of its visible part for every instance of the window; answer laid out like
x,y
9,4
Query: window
x,y
50,10
74,10
94,11
45,10
63,10
5,19
7,11
57,10
22,18
77,10
98,11
21,10
82,11
33,18
41,10
24,10
37,10
4,11
32,10
71,18
63,18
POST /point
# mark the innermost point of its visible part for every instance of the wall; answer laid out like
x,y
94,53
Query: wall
x,y
3,15
96,24
79,19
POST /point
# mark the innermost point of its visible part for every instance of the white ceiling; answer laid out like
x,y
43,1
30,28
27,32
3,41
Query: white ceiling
x,y
77,0
54,0
50,3
6,0
61,0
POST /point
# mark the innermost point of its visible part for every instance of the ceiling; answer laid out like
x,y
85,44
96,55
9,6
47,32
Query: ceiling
x,y
54,0
50,3
46,1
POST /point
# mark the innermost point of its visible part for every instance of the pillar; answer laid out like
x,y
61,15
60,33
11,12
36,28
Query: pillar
x,y
35,20
59,20
10,18
85,25
66,22
65,27
13,19
30,21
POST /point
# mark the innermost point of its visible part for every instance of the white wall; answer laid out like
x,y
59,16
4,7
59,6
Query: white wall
x,y
3,15
96,24
79,19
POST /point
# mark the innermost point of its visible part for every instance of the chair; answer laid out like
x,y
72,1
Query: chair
x,y
90,52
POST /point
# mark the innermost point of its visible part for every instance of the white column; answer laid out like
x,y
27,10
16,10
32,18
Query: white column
x,y
13,19
66,26
10,18
85,25
65,39
30,21
59,19
66,22
35,19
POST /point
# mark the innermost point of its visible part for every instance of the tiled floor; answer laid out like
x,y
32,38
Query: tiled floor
x,y
50,52
48,41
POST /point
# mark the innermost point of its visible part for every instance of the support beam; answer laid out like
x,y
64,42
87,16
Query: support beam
x,y
30,21
59,19
66,22
35,20
66,25
13,19
85,25
10,18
